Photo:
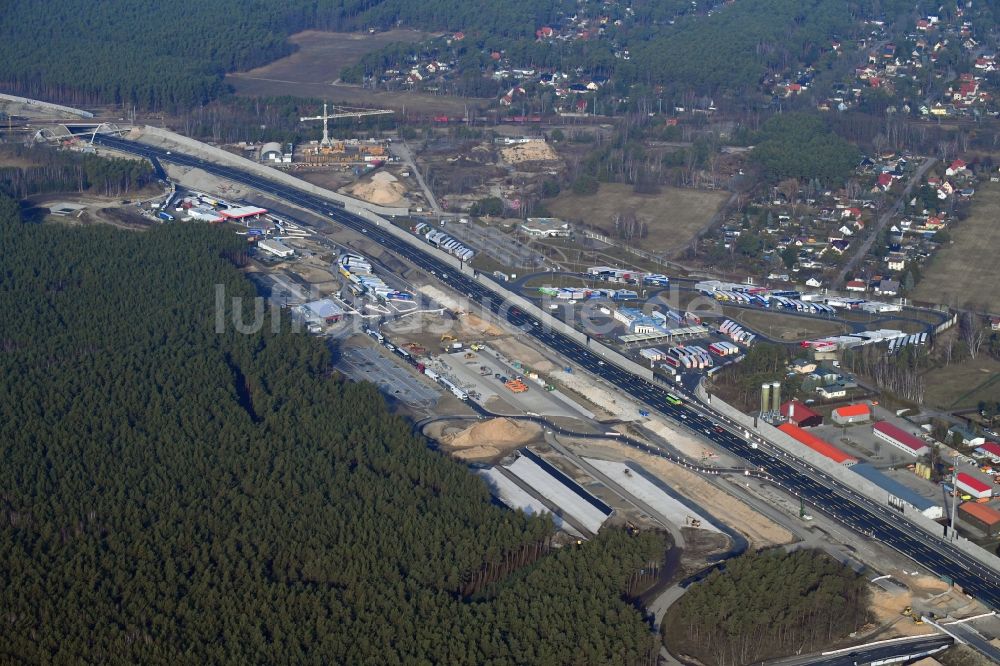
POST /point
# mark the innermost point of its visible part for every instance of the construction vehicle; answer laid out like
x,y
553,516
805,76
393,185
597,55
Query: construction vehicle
x,y
908,611
448,338
475,346
469,355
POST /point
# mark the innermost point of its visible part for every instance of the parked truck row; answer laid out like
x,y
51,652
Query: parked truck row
x,y
736,333
441,240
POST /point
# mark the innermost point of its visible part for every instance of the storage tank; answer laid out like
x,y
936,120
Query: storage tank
x,y
776,397
765,397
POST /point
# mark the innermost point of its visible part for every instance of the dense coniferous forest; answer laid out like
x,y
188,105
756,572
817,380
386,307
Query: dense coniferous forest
x,y
172,495
768,605
797,145
45,169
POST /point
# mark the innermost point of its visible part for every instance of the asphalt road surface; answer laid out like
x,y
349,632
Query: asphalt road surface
x,y
860,513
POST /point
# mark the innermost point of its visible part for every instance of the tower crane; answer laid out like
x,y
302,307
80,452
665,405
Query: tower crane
x,y
341,112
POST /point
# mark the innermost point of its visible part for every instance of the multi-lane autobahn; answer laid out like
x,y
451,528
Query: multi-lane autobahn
x,y
862,514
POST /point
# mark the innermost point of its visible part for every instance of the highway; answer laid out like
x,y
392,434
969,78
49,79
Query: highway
x,y
879,651
841,502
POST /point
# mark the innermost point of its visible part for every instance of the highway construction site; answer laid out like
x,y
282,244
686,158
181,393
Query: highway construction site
x,y
550,437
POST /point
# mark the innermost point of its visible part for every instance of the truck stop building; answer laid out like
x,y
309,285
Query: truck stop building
x,y
800,415
981,517
242,212
899,438
851,414
898,491
973,486
818,445
322,311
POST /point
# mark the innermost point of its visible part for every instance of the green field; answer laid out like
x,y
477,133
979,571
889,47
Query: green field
x,y
965,274
673,216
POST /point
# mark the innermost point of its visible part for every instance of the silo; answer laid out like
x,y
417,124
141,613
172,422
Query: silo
x,y
765,397
776,397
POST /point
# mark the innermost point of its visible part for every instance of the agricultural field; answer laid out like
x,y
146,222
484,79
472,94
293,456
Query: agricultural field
x,y
673,216
313,71
965,273
963,385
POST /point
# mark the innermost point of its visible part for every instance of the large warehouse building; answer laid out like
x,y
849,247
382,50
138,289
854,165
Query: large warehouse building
x,y
900,492
800,415
818,445
981,517
970,485
899,438
851,414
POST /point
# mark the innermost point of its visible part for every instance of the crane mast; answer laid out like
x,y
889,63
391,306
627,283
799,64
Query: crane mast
x,y
341,112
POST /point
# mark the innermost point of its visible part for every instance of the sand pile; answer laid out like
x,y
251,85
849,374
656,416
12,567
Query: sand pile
x,y
383,188
532,151
490,438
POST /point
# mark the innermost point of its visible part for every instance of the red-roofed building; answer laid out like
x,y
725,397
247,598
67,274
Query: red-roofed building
x,y
991,450
970,485
800,415
981,516
856,285
955,167
818,445
242,212
884,181
851,414
899,438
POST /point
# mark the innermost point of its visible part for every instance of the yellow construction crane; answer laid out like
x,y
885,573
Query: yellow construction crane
x,y
341,112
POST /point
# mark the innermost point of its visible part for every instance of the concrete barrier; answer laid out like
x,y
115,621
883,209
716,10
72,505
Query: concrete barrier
x,y
221,156
844,475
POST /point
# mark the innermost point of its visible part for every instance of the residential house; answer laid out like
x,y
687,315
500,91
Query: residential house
x,y
831,391
887,288
856,285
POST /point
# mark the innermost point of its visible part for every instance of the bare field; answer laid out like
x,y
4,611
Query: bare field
x,y
673,216
313,71
963,385
964,274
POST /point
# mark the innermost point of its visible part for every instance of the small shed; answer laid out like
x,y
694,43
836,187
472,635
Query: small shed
x,y
851,414
271,152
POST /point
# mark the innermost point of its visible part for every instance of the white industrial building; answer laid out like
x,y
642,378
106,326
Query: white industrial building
x,y
899,438
275,247
204,214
